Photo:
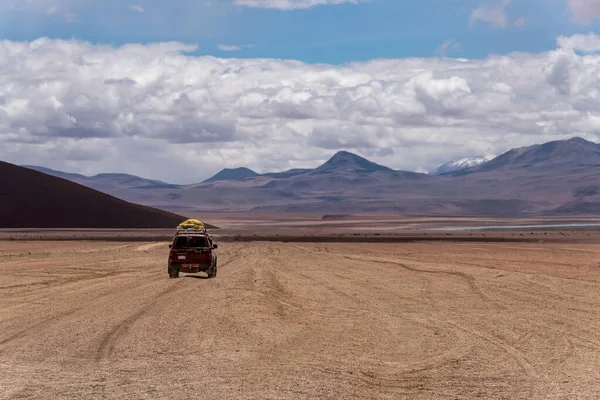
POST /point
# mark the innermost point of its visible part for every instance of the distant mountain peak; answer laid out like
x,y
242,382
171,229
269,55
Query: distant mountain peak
x,y
344,153
459,165
116,175
350,162
232,173
574,141
570,148
580,140
579,143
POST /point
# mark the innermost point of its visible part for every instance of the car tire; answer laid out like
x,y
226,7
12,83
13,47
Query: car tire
x,y
212,272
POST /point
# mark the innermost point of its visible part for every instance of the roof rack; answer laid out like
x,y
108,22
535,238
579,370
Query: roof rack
x,y
191,230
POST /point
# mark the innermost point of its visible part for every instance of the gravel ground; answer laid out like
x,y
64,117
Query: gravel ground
x,y
301,320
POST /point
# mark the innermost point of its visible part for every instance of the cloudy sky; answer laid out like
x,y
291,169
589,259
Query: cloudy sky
x,y
178,90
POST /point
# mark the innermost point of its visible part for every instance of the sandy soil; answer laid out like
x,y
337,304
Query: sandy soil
x,y
301,320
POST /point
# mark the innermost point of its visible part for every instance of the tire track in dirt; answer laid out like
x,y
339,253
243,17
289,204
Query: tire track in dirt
x,y
74,275
522,360
109,341
147,247
41,323
73,255
297,346
61,281
39,326
467,277
512,351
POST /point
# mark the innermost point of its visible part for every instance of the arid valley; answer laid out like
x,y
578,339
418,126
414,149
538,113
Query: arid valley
x,y
419,318
300,199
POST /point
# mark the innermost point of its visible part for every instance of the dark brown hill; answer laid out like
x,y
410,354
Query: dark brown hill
x,y
31,199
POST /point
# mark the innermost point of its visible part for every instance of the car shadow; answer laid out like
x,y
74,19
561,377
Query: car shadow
x,y
196,276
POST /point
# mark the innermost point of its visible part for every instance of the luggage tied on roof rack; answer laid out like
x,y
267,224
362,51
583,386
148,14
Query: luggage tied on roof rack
x,y
191,225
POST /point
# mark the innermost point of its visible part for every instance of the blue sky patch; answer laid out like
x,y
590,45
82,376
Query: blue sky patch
x,y
327,33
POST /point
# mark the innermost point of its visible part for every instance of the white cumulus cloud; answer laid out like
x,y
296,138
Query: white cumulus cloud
x,y
585,11
155,111
228,47
494,14
586,43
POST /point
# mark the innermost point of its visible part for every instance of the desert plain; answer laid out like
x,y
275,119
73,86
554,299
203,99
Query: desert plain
x,y
419,318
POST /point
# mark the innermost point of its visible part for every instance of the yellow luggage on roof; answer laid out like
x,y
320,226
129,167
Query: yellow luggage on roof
x,y
191,224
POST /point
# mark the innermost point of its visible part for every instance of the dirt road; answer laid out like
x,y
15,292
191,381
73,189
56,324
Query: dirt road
x,y
421,320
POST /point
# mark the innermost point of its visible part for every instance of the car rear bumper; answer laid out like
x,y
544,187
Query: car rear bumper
x,y
189,268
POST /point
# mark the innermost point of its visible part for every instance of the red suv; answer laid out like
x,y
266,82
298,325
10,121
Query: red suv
x,y
192,253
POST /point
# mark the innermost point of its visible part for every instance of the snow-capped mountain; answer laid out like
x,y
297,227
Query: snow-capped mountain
x,y
459,165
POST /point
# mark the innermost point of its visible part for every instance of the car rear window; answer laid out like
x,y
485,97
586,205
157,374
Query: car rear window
x,y
197,241
181,242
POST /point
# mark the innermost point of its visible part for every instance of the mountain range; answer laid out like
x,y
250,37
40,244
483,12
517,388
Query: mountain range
x,y
555,178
